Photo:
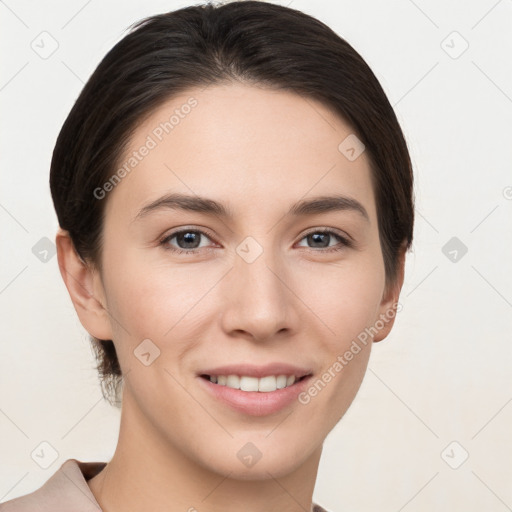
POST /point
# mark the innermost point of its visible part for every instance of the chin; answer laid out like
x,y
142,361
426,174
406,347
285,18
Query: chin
x,y
257,461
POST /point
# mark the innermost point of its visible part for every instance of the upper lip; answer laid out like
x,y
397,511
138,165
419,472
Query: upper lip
x,y
258,371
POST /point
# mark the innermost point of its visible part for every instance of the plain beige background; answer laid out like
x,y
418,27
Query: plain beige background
x,y
430,426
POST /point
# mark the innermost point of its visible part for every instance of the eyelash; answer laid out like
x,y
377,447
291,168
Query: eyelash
x,y
345,242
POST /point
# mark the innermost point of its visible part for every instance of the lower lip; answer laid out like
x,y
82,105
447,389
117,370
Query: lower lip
x,y
256,403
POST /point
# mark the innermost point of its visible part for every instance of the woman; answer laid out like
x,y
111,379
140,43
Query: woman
x,y
235,201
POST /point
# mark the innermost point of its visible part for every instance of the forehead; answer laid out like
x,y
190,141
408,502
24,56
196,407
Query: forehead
x,y
242,145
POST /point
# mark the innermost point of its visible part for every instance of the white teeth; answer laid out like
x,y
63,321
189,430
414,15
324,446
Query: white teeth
x,y
233,381
246,383
267,384
281,381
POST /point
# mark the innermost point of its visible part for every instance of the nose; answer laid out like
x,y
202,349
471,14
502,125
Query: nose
x,y
259,303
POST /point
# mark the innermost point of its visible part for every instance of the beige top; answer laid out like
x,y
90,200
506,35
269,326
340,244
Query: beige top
x,y
67,491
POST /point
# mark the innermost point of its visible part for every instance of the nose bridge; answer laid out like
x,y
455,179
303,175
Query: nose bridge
x,y
259,302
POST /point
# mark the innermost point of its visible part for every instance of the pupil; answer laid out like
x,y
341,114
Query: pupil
x,y
188,237
316,237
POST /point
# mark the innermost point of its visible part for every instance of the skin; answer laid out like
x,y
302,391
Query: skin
x,y
257,151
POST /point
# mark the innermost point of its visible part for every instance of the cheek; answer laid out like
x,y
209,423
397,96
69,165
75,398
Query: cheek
x,y
346,303
344,298
156,300
348,309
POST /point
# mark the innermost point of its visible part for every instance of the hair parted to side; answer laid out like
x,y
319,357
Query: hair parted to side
x,y
253,42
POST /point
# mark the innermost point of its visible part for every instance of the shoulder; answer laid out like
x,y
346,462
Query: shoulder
x,y
318,508
66,490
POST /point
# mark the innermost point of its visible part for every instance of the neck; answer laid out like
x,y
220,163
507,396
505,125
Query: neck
x,y
148,472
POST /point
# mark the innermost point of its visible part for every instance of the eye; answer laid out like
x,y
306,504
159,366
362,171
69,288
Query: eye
x,y
187,240
190,241
321,239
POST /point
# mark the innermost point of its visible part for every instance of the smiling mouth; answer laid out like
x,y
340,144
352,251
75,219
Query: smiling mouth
x,y
254,384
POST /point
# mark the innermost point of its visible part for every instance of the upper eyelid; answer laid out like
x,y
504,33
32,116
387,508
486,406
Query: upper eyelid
x,y
172,234
337,232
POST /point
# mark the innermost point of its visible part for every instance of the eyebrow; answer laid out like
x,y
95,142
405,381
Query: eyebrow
x,y
320,204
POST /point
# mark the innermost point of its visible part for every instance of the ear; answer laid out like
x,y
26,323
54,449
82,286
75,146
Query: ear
x,y
84,287
389,306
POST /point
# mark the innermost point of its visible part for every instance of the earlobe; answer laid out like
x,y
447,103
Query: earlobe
x,y
84,287
389,306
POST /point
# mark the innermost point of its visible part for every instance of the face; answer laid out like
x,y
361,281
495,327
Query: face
x,y
269,282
